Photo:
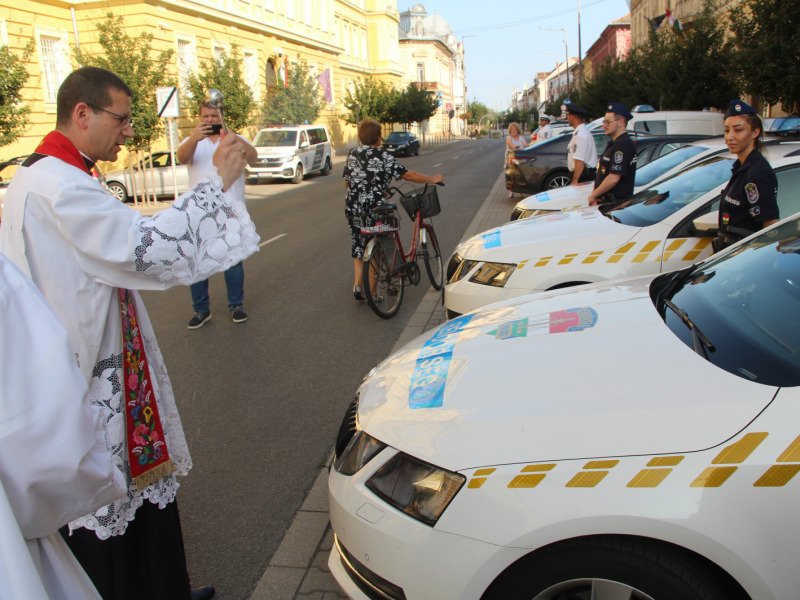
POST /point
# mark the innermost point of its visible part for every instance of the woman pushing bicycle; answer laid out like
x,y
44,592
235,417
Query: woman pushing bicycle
x,y
367,174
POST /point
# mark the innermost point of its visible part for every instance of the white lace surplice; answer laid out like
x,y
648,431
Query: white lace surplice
x,y
79,245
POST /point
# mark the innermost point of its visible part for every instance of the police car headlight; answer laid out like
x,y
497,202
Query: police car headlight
x,y
286,156
419,489
361,449
493,274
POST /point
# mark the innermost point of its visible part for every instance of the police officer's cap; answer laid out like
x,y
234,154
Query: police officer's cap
x,y
739,108
574,109
544,118
620,109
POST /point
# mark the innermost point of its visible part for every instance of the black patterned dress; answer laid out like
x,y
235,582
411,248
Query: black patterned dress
x,y
368,173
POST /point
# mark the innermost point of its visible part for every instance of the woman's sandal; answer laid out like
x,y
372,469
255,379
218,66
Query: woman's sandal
x,y
357,293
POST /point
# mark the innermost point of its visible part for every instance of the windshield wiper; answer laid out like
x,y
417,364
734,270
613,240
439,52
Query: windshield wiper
x,y
697,335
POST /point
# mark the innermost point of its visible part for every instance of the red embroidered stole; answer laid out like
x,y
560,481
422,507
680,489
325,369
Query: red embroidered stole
x,y
147,448
58,145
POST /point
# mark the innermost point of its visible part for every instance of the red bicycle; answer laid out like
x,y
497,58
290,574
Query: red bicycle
x,y
386,265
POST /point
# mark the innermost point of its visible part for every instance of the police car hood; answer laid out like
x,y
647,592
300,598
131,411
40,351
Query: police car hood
x,y
585,373
561,198
583,230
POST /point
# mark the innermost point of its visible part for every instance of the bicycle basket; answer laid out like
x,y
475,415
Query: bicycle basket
x,y
428,202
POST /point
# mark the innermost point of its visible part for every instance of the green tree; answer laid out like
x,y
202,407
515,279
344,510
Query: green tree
x,y
14,115
224,74
412,106
476,110
371,98
299,102
767,53
135,63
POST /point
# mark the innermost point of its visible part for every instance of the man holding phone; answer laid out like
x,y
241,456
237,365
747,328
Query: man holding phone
x,y
196,152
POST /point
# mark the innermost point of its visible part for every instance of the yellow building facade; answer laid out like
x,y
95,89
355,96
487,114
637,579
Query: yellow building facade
x,y
345,38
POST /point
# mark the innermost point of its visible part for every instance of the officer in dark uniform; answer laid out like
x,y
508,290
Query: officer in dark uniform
x,y
750,200
616,169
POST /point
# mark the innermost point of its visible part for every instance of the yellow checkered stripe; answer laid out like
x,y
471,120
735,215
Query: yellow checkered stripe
x,y
635,252
657,469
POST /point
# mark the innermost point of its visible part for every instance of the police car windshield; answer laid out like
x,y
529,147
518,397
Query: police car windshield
x,y
747,302
651,171
658,202
276,137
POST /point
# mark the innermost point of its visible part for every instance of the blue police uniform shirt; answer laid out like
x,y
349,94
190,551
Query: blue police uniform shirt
x,y
619,158
751,196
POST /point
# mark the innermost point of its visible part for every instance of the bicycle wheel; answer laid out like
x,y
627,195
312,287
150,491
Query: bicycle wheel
x,y
433,257
387,296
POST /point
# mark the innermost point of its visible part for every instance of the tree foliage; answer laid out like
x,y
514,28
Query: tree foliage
x,y
476,110
412,106
370,98
224,74
298,102
14,115
683,70
766,56
137,65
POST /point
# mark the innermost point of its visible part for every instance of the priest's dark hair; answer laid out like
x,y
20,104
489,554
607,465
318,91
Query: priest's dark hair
x,y
91,85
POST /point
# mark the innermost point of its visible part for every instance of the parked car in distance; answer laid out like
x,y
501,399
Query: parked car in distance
x,y
290,152
678,122
158,181
631,440
543,166
401,143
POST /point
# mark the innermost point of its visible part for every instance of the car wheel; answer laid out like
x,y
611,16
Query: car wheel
x,y
117,190
556,180
327,168
608,567
298,173
416,152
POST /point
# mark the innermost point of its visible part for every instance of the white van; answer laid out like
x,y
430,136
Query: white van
x,y
676,122
289,152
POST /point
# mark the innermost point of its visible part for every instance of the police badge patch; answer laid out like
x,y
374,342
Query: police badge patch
x,y
752,192
618,156
755,211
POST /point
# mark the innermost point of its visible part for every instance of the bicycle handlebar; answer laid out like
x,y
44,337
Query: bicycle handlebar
x,y
393,189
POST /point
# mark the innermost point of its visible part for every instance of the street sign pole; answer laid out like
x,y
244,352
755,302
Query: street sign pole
x,y
169,108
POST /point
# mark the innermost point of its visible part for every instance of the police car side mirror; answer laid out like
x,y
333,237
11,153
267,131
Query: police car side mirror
x,y
706,225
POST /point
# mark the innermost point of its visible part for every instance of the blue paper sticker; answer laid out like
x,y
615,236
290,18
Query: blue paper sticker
x,y
492,239
430,372
543,197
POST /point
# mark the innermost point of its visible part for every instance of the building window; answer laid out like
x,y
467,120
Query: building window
x,y
421,72
187,59
219,51
54,63
251,72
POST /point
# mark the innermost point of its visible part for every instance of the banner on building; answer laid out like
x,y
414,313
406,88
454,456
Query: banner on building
x,y
324,79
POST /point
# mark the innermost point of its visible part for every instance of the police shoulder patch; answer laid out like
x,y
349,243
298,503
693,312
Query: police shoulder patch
x,y
618,156
755,211
751,189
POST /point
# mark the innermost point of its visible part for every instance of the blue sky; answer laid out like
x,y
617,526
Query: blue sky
x,y
510,48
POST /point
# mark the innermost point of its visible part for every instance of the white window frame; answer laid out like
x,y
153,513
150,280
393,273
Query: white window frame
x,y
251,72
191,62
217,48
52,74
3,33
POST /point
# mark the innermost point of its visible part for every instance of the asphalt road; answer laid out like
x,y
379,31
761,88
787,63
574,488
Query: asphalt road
x,y
262,401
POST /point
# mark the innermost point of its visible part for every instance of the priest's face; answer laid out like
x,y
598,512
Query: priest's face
x,y
110,127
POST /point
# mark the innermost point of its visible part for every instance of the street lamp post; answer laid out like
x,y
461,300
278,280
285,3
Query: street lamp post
x,y
566,50
464,68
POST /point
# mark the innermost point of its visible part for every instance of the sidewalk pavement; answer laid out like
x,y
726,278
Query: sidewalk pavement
x,y
299,568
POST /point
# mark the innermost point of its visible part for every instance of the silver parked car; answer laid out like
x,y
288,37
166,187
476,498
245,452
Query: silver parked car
x,y
158,180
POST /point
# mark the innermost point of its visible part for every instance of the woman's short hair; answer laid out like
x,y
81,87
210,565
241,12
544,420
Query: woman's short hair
x,y
369,132
514,124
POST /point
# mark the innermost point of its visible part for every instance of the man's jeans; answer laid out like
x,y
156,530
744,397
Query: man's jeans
x,y
234,281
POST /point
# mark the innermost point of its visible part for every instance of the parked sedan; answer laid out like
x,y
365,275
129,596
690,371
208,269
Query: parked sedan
x,y
158,180
401,143
664,228
544,165
631,440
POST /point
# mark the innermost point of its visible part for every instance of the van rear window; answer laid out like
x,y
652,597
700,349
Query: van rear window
x,y
655,127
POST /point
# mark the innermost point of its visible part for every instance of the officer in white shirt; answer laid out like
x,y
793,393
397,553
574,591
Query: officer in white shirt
x,y
581,152
545,131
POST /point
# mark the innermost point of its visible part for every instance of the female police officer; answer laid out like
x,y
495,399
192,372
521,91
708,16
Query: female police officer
x,y
749,202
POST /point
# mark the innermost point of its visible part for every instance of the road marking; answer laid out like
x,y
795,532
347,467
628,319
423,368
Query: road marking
x,y
439,165
456,158
270,240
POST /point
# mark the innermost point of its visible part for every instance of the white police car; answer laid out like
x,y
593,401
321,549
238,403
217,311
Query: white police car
x,y
666,227
637,440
